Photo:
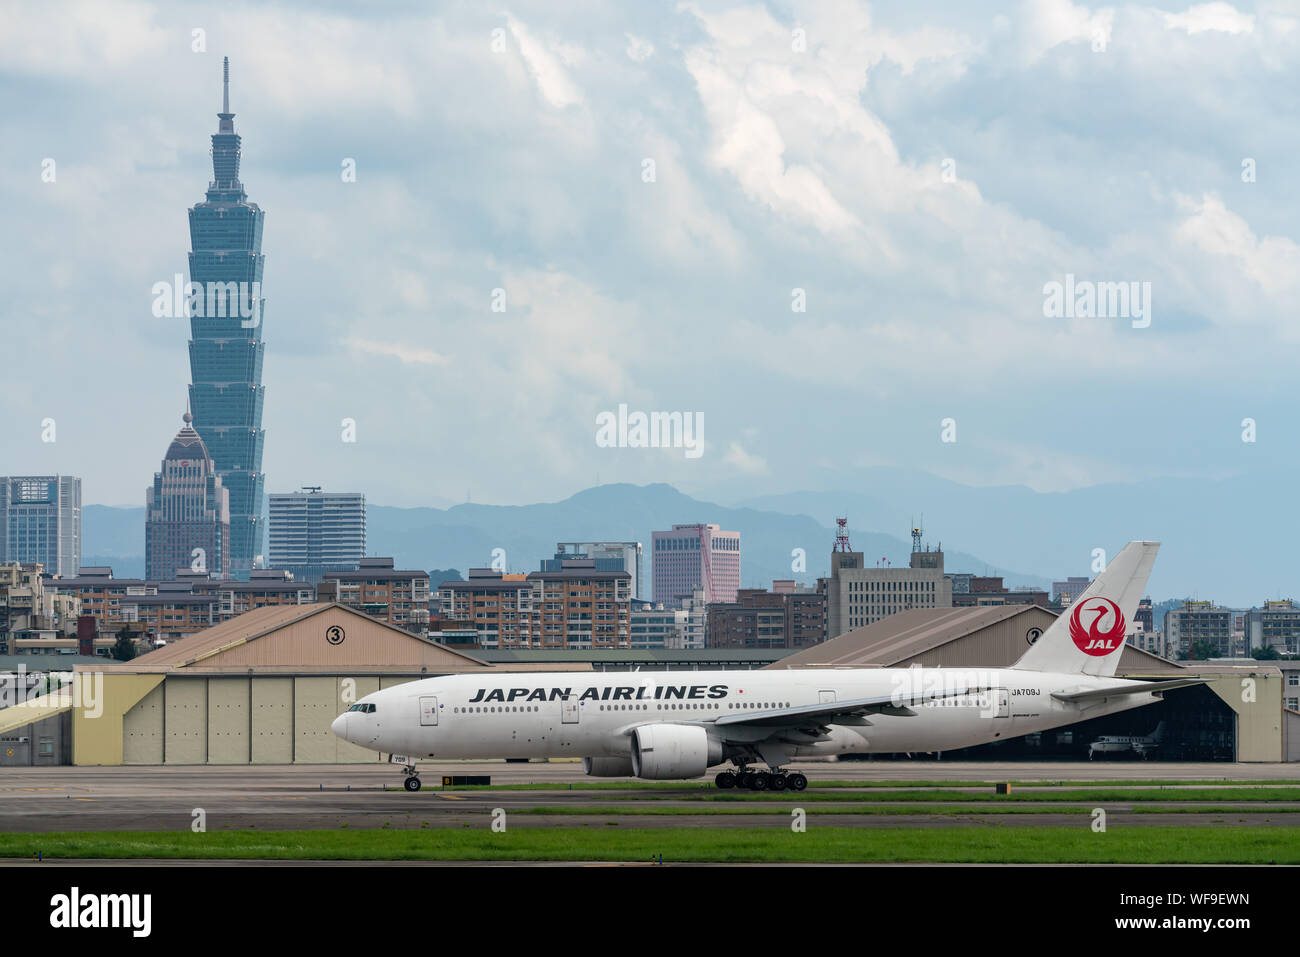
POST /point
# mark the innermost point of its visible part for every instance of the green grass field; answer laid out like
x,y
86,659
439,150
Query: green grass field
x,y
1001,844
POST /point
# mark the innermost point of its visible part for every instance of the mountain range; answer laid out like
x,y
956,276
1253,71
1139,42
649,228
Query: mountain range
x,y
465,536
1225,540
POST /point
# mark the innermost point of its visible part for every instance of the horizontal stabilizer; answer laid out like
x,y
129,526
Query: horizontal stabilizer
x,y
1143,688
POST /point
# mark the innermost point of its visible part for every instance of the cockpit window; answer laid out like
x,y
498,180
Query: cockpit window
x,y
366,708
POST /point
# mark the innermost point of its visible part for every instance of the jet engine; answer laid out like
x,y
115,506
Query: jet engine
x,y
663,751
608,767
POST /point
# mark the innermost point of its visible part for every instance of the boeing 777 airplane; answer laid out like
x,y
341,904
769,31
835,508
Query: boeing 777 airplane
x,y
666,725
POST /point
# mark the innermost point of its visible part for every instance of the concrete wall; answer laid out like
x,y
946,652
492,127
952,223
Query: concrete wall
x,y
1257,699
1291,726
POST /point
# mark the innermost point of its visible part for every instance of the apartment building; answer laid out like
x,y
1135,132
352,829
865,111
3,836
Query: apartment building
x,y
397,596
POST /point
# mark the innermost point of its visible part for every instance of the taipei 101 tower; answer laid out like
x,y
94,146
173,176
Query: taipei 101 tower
x,y
226,337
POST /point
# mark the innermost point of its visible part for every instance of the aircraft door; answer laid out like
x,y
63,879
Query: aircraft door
x,y
1001,703
826,697
568,711
428,710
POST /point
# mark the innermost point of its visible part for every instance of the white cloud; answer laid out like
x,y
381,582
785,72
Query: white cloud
x,y
1047,24
1216,17
744,461
552,79
1272,263
639,49
81,38
403,352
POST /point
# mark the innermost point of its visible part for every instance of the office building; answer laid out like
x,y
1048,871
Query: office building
x,y
693,621
226,338
785,617
1276,625
313,532
695,556
1199,624
40,522
187,514
857,595
654,626
1067,591
608,556
989,590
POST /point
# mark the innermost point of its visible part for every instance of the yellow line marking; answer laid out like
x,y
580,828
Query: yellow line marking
x,y
450,797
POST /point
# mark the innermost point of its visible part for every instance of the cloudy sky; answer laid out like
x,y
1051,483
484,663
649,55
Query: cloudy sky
x,y
656,187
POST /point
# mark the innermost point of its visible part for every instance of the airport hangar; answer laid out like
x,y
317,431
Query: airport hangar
x,y
1238,715
261,688
264,687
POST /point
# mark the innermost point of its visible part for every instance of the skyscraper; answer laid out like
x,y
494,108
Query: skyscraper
x,y
313,532
695,556
226,337
187,514
40,521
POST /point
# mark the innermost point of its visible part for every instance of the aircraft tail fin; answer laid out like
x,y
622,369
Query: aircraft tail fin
x,y
1088,637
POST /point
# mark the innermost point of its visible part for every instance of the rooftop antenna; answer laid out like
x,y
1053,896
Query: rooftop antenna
x,y
225,85
842,536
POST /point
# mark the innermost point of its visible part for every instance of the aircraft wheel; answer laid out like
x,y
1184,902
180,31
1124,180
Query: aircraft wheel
x,y
778,782
798,782
725,779
745,779
412,783
760,781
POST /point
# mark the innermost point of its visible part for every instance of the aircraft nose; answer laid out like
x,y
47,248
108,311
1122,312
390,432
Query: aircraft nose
x,y
340,726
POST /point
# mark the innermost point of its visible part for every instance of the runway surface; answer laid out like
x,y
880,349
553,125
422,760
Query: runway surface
x,y
34,800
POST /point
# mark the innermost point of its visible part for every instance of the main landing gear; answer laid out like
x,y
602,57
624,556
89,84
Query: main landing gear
x,y
774,780
412,782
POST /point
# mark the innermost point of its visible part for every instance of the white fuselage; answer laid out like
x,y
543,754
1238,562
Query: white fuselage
x,y
549,715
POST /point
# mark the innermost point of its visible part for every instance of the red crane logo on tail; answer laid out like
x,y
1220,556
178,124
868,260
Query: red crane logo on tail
x,y
1104,631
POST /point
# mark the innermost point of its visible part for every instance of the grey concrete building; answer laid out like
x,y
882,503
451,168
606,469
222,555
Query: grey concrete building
x,y
857,595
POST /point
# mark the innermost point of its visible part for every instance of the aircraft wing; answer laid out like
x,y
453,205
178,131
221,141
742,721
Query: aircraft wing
x,y
828,711
1147,686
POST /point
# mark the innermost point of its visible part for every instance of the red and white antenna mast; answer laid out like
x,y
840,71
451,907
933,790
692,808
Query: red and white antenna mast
x,y
842,536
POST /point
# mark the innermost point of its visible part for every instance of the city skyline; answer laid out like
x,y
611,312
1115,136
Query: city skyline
x,y
749,182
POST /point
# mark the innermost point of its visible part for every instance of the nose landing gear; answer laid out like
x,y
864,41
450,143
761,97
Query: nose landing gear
x,y
412,782
775,780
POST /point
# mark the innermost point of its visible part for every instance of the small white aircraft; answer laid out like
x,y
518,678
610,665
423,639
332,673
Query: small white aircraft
x,y
666,725
1145,745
